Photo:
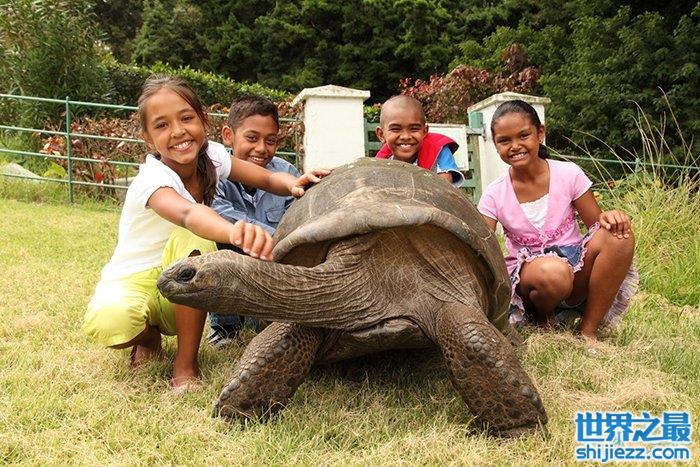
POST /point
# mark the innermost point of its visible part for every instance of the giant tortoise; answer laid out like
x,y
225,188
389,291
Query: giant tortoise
x,y
379,255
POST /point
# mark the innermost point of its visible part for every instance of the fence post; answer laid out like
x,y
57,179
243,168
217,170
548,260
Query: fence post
x,y
69,150
365,123
475,167
476,122
333,125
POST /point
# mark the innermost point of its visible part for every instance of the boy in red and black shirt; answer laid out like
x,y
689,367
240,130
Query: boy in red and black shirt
x,y
406,138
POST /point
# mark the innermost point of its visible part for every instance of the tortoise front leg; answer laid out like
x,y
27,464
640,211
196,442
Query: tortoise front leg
x,y
269,372
487,373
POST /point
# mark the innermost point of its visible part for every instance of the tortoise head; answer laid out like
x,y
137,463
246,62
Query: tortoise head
x,y
205,281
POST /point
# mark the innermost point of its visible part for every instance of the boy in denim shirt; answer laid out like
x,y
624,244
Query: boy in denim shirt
x,y
252,132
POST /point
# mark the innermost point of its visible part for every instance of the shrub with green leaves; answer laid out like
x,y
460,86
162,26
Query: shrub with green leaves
x,y
49,49
212,89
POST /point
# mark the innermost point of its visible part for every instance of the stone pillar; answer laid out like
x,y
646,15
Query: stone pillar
x,y
334,125
490,164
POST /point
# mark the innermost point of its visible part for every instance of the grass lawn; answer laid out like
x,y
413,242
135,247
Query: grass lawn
x,y
65,400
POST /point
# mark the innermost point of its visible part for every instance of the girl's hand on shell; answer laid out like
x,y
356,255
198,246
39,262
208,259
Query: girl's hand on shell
x,y
617,222
306,180
252,239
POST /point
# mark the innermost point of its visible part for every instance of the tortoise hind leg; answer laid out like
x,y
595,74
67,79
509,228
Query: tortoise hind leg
x,y
486,372
269,372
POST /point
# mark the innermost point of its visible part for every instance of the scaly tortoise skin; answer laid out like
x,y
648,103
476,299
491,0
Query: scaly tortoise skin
x,y
379,255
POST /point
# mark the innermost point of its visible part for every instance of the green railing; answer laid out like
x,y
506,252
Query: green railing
x,y
69,106
633,165
474,131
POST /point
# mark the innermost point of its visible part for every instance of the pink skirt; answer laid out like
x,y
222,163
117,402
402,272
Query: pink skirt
x,y
574,255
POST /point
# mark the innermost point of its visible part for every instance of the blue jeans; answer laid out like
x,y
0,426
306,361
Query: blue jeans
x,y
225,321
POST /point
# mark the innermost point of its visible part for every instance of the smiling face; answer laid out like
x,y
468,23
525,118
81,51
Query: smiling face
x,y
173,129
403,129
517,139
254,139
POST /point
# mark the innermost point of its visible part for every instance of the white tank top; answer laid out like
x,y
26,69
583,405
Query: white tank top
x,y
536,211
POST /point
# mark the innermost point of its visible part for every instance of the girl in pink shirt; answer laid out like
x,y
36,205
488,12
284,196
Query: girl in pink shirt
x,y
553,268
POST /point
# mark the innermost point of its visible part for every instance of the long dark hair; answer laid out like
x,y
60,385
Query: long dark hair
x,y
522,107
206,172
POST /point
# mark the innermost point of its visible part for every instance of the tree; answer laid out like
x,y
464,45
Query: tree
x,y
614,65
370,44
229,37
597,69
120,21
169,34
49,49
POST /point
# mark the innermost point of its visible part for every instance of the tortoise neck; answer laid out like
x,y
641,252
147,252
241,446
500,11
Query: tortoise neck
x,y
317,296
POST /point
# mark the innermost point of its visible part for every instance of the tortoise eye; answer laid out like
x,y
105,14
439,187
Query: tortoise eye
x,y
186,275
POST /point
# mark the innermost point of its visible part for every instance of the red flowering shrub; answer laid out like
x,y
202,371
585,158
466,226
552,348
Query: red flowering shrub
x,y
445,98
100,152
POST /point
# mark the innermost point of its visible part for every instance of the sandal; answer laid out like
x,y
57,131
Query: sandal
x,y
191,385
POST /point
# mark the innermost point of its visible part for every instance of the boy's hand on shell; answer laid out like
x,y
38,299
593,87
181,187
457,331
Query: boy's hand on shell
x,y
617,222
252,239
306,180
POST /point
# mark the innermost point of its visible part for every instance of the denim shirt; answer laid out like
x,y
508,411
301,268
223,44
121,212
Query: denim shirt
x,y
265,209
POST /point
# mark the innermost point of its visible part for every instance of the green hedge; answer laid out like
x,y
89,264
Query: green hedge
x,y
127,81
211,88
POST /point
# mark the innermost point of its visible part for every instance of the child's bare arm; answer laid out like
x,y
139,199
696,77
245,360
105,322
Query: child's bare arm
x,y
587,207
491,223
617,222
301,183
253,175
279,183
447,176
206,223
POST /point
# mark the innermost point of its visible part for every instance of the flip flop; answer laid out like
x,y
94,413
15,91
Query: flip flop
x,y
191,385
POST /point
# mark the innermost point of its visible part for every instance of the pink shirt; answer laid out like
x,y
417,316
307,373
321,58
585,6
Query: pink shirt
x,y
567,182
